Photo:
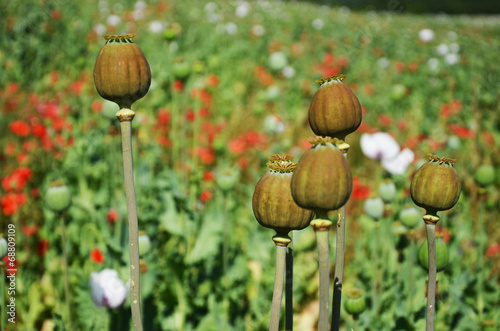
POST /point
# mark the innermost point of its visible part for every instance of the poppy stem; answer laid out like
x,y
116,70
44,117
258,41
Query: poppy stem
x,y
339,269
125,116
66,270
321,228
289,286
430,226
281,247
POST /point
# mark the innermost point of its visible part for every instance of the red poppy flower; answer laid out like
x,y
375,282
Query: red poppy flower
x,y
385,120
112,216
209,176
212,80
30,230
461,131
97,256
42,247
20,128
359,191
178,86
206,155
493,250
205,196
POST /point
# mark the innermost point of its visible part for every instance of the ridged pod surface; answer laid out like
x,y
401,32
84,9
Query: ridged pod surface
x,y
322,180
334,111
121,71
436,186
272,201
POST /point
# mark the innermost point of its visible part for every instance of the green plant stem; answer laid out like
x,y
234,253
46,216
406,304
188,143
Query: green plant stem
x,y
289,286
279,277
66,270
411,262
126,116
339,269
2,296
431,289
321,227
375,268
480,260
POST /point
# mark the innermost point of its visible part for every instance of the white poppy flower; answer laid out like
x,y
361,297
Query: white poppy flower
x,y
114,20
451,58
398,165
107,289
258,30
382,146
318,24
243,9
426,35
379,146
383,62
442,49
156,27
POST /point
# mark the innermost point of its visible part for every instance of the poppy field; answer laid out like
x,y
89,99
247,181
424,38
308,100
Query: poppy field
x,y
231,86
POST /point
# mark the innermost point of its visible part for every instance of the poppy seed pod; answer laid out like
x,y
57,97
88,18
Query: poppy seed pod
x,y
322,180
272,201
355,301
58,196
435,186
334,111
121,71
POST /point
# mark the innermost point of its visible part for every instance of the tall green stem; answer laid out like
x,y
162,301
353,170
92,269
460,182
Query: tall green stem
x,y
289,286
66,270
375,268
125,116
2,297
430,226
281,243
321,227
339,269
480,261
411,261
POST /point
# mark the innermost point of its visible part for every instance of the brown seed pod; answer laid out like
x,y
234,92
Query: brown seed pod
x,y
272,201
322,180
334,111
121,71
436,186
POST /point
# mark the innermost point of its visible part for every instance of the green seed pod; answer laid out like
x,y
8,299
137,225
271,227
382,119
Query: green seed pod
x,y
442,256
272,201
485,175
334,111
226,179
435,186
121,71
374,208
58,196
144,243
322,180
3,248
181,69
387,191
410,217
354,302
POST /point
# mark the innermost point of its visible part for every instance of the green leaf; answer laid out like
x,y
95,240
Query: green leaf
x,y
208,240
168,219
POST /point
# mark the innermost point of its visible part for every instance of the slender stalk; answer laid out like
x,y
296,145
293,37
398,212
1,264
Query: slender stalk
x,y
480,260
321,227
339,269
339,261
289,286
430,226
279,277
66,270
411,262
375,268
125,116
2,297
